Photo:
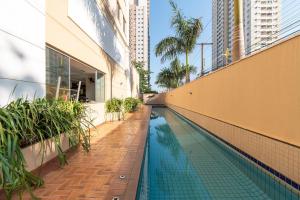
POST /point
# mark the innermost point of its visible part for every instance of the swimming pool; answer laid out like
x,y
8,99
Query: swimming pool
x,y
183,161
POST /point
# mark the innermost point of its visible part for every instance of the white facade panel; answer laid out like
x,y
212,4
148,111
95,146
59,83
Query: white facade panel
x,y
87,15
22,49
139,38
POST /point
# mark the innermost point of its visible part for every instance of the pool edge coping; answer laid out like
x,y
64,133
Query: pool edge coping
x,y
133,181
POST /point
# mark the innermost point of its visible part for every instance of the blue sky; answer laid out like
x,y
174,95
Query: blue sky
x,y
161,14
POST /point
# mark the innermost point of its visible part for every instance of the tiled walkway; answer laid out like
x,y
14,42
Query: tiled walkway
x,y
116,150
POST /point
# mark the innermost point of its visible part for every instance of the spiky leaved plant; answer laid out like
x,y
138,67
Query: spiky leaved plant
x,y
23,123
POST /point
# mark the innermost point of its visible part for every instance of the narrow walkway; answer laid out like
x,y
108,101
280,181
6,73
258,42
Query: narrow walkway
x,y
117,150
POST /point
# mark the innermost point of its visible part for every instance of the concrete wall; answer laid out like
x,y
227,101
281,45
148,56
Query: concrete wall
x,y
96,112
22,49
33,156
260,93
135,79
154,99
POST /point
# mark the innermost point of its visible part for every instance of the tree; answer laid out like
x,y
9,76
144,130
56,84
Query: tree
x,y
165,78
178,72
238,32
187,32
144,84
172,76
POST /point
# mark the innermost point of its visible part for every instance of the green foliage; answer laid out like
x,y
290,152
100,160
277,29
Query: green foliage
x,y
113,105
172,76
144,84
23,123
130,104
187,31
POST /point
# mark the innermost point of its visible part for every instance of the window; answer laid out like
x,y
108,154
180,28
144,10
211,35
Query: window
x,y
57,65
73,73
100,87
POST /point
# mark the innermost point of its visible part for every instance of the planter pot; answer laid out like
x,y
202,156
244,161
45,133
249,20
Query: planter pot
x,y
33,154
114,116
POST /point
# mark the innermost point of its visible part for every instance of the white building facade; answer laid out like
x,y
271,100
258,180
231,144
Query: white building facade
x,y
261,19
22,50
262,23
139,31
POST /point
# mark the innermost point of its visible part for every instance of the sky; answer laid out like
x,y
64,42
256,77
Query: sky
x,y
160,18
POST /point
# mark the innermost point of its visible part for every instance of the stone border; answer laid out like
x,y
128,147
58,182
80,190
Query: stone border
x,y
132,186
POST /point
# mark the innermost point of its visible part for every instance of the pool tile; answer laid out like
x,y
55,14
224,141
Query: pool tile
x,y
183,164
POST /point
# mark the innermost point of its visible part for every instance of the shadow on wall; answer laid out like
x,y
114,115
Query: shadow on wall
x,y
26,87
16,51
106,38
154,99
104,32
17,79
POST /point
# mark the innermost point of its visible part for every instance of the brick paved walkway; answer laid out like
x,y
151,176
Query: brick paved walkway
x,y
116,150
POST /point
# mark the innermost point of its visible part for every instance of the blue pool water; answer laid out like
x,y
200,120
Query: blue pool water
x,y
182,161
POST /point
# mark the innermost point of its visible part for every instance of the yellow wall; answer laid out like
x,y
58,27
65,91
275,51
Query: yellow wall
x,y
260,93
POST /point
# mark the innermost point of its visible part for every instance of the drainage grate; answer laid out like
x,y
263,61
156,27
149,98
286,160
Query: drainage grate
x,y
122,177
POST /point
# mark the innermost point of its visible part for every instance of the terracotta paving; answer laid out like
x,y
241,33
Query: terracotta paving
x,y
117,149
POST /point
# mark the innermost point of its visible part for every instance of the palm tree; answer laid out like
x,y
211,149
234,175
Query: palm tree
x,y
171,77
238,33
187,32
178,72
165,78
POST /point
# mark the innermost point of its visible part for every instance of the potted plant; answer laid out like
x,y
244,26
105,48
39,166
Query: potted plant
x,y
113,109
130,104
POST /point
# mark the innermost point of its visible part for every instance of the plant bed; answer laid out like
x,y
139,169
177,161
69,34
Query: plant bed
x,y
131,104
40,153
30,135
115,108
114,116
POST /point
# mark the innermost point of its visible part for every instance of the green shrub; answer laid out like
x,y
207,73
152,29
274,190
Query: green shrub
x,y
113,105
130,104
23,123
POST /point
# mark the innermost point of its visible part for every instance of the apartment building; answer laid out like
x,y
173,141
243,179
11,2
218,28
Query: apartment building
x,y
261,19
262,23
139,32
79,42
220,31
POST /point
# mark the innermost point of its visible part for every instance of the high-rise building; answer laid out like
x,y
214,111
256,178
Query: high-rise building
x,y
261,20
262,23
139,31
220,30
